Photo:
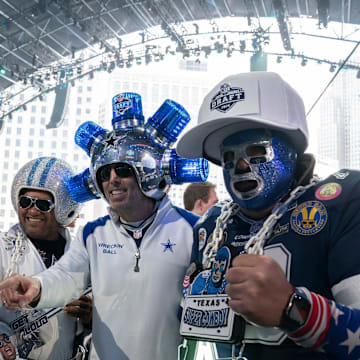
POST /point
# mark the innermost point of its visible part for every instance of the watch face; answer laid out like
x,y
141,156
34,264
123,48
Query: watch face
x,y
295,314
299,310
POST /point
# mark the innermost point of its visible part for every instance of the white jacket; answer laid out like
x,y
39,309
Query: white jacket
x,y
59,333
134,313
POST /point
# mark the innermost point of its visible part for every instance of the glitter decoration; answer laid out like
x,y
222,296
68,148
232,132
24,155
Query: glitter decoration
x,y
127,111
179,170
146,148
51,175
81,187
167,123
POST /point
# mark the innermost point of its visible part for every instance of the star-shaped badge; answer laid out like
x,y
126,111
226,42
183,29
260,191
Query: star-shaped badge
x,y
110,141
168,246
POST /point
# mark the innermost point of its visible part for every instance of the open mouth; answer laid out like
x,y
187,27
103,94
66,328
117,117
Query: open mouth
x,y
245,186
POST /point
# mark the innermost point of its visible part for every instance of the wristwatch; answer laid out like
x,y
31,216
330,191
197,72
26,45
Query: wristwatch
x,y
295,313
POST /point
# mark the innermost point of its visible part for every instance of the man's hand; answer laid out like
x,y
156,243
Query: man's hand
x,y
258,289
19,291
81,309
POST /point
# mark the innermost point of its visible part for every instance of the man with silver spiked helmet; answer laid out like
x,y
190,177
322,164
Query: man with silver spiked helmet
x,y
280,257
44,207
138,253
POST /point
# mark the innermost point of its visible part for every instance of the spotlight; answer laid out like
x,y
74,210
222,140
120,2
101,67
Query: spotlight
x,y
242,45
147,59
332,68
111,67
303,62
279,59
358,74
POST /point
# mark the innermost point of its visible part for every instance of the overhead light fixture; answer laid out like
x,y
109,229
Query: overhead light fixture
x,y
303,62
242,45
332,68
279,59
283,22
358,74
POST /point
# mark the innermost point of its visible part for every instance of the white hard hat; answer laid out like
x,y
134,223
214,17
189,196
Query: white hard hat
x,y
245,101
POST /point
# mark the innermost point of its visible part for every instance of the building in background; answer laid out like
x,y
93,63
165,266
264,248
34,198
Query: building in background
x,y
339,133
25,136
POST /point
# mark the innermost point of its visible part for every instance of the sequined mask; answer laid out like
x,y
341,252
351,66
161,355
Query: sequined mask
x,y
258,167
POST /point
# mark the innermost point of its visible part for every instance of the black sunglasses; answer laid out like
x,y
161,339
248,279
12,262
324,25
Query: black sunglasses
x,y
5,339
121,170
43,205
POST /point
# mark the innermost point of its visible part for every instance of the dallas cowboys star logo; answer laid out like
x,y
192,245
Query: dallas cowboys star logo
x,y
110,141
168,246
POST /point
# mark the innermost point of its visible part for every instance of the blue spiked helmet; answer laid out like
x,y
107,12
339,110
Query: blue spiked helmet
x,y
146,147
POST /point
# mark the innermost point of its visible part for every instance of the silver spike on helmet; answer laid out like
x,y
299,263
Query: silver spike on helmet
x,y
48,174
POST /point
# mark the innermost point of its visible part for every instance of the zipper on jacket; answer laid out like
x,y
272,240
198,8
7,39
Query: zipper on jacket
x,y
137,257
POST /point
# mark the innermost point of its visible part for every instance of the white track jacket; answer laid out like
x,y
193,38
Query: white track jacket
x,y
59,333
134,313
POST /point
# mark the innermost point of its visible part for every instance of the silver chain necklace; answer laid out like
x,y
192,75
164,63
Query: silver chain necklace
x,y
255,245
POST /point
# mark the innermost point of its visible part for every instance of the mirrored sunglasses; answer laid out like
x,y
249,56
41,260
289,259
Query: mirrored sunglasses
x,y
4,340
43,205
121,170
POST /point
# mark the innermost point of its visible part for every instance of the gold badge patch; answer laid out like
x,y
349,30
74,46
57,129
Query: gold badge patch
x,y
309,218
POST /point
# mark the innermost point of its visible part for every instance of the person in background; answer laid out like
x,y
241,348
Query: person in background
x,y
199,197
38,241
288,255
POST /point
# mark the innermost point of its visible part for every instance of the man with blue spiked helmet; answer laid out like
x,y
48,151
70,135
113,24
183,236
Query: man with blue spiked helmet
x,y
138,253
288,292
44,207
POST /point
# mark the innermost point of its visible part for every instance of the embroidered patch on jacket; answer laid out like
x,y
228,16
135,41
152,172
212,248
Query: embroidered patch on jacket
x,y
168,246
309,218
226,98
328,191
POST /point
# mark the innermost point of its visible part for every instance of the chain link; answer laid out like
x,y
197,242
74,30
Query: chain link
x,y
256,243
227,211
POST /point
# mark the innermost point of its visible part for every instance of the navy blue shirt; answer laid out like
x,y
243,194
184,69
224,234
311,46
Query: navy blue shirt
x,y
316,242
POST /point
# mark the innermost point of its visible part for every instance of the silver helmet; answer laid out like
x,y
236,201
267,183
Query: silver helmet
x,y
135,148
48,174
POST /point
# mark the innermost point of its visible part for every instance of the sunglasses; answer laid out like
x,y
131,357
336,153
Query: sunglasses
x,y
4,340
121,170
43,205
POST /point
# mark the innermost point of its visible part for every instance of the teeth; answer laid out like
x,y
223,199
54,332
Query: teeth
x,y
115,192
33,220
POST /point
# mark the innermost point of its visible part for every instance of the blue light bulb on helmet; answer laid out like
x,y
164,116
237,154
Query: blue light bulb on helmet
x,y
145,147
266,173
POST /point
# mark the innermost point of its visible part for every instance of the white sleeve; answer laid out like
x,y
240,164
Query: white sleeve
x,y
347,292
68,278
